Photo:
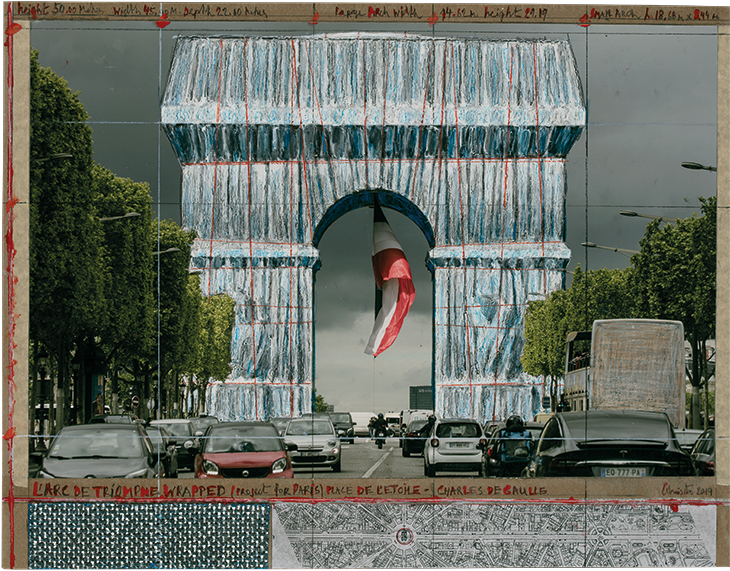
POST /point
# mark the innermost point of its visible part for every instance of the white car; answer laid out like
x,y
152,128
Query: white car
x,y
455,444
316,440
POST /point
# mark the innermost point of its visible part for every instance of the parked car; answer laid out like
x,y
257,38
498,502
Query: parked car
x,y
703,453
344,427
412,440
163,446
687,437
280,423
608,443
316,442
201,423
183,436
252,449
100,450
455,444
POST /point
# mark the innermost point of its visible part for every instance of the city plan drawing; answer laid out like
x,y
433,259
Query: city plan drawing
x,y
453,535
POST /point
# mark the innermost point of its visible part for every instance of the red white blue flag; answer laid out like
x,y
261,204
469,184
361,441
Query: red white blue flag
x,y
393,277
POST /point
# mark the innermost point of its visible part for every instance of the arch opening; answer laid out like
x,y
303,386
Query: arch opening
x,y
344,294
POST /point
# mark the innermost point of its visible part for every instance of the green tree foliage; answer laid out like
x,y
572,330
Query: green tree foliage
x,y
596,294
319,404
217,316
128,328
675,279
66,242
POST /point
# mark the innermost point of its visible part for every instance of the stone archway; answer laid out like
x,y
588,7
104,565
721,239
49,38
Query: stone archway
x,y
272,134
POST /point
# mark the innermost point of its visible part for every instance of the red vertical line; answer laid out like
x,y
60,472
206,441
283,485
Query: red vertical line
x,y
12,280
365,112
441,133
420,129
301,133
321,121
504,207
539,173
215,168
250,235
383,137
463,237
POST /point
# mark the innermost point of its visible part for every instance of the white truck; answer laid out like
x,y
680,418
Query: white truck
x,y
632,364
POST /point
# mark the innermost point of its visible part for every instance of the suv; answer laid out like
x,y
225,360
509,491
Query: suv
x,y
344,427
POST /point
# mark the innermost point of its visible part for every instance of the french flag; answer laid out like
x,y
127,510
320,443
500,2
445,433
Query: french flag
x,y
393,278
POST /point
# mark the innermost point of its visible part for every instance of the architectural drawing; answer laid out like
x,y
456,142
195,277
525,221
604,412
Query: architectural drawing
x,y
463,535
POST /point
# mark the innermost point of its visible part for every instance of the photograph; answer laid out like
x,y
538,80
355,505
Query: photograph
x,y
414,286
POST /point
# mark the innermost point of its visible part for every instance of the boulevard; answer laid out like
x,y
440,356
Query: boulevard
x,y
364,460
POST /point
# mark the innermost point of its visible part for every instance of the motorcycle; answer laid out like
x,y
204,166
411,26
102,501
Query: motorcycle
x,y
380,437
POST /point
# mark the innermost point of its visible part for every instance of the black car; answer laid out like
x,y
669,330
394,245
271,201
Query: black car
x,y
413,441
703,453
163,446
608,443
183,437
101,450
344,427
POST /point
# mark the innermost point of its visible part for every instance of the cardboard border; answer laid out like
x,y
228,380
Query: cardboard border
x,y
18,491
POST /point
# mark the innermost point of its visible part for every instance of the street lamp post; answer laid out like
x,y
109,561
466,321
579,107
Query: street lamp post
x,y
623,251
631,213
698,167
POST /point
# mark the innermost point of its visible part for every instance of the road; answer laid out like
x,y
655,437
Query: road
x,y
364,460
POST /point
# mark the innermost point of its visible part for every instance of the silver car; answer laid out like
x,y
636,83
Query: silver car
x,y
454,444
316,440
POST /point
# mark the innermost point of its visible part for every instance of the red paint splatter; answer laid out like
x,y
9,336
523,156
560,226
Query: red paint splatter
x,y
9,434
13,29
586,21
674,508
314,20
163,22
432,19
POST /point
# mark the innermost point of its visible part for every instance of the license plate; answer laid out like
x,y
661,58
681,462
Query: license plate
x,y
623,472
310,453
458,444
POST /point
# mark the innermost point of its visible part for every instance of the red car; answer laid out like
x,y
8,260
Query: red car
x,y
243,450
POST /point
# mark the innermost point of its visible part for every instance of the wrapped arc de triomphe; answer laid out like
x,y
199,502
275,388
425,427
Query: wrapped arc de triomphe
x,y
278,137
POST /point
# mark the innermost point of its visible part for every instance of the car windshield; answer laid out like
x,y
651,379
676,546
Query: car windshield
x,y
200,424
339,417
617,426
177,428
457,430
155,434
92,443
246,438
309,428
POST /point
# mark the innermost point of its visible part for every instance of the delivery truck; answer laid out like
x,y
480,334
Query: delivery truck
x,y
629,364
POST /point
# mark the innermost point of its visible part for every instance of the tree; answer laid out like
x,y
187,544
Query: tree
x,y
675,279
319,404
217,316
66,242
595,294
128,328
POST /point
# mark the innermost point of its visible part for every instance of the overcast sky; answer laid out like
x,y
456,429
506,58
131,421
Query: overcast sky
x,y
651,94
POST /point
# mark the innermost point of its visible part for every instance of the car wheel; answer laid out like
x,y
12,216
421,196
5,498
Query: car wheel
x,y
480,470
337,467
